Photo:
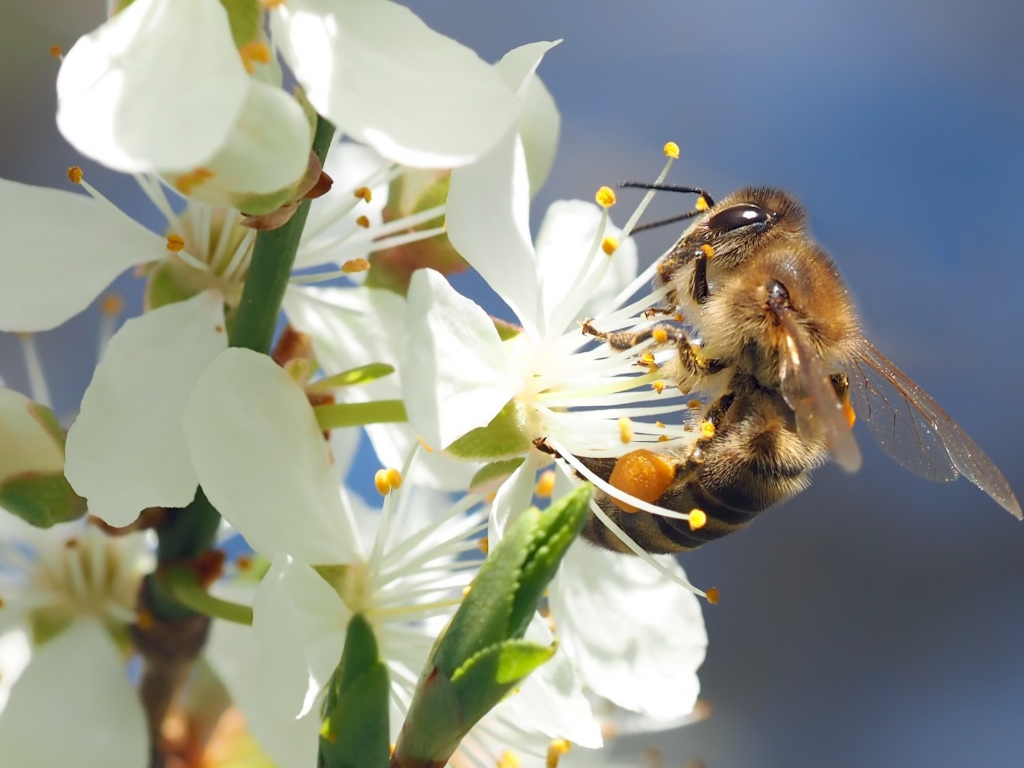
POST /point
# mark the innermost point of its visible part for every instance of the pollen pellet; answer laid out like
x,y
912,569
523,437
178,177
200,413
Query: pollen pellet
x,y
363,222
75,174
112,305
702,203
625,430
609,245
643,474
707,429
698,519
556,749
605,197
545,484
175,243
712,595
708,251
671,149
364,193
394,478
660,335
380,479
355,265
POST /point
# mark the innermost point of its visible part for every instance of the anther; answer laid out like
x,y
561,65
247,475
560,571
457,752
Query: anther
x,y
647,359
144,620
465,589
663,438
394,478
545,484
256,52
672,150
380,479
609,245
425,445
678,318
707,429
658,386
175,243
712,595
698,519
625,430
556,749
659,425
363,222
509,759
708,250
484,545
355,265
660,335
57,52
605,197
364,193
75,174
189,181
702,203
112,305
694,404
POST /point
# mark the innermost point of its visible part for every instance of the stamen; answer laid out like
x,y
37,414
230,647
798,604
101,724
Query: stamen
x,y
110,309
484,545
698,519
556,749
394,478
256,52
175,243
355,265
658,386
644,203
609,245
545,484
694,404
423,444
380,480
187,182
75,174
671,150
363,193
57,52
605,197
712,595
509,759
626,432
363,222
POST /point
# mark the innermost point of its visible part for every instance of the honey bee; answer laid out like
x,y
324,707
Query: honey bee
x,y
779,351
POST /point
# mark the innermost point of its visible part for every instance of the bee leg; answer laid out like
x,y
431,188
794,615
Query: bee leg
x,y
628,339
659,311
699,289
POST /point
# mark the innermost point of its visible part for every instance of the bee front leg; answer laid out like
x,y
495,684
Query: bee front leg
x,y
699,290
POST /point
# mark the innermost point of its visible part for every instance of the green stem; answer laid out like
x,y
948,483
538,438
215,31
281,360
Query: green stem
x,y
340,415
181,584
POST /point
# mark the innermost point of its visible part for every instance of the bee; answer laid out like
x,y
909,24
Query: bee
x,y
780,353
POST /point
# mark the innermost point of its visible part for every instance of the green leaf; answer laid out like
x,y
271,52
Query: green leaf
x,y
41,500
485,678
491,476
245,18
355,733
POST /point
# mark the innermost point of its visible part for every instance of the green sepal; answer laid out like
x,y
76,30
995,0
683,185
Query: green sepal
x,y
364,374
41,499
505,329
487,677
354,733
504,437
246,20
172,280
492,475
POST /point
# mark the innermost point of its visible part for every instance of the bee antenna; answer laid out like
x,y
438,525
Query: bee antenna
x,y
668,188
663,222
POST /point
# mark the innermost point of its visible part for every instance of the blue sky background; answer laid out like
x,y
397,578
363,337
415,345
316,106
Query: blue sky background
x,y
876,619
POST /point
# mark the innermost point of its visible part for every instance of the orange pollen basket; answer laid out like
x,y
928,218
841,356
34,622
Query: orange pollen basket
x,y
643,474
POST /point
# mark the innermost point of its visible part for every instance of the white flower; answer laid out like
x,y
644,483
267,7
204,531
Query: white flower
x,y
385,78
263,462
162,88
69,588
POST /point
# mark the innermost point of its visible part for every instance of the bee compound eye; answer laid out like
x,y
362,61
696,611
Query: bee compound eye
x,y
737,216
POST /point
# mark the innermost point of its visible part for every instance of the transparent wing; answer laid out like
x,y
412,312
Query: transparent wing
x,y
917,433
807,389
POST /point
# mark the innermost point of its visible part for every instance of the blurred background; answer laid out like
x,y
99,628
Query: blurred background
x,y
875,619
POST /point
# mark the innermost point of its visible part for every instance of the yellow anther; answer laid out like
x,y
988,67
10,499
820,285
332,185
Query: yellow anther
x,y
708,251
363,222
678,318
175,243
256,52
659,425
509,759
243,563
364,193
56,51
426,447
712,595
702,203
698,519
112,305
707,429
380,479
189,181
483,544
694,404
660,335
75,174
672,150
605,197
610,244
545,484
355,265
647,359
663,438
394,478
556,749
625,430
658,386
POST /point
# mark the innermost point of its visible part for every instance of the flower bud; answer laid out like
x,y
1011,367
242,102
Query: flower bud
x,y
32,483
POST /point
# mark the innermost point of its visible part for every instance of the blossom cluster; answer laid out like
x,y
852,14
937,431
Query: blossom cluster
x,y
436,158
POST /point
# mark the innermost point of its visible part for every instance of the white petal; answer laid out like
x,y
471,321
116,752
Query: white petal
x,y
158,87
299,623
513,497
355,326
563,242
263,462
551,699
234,655
267,151
15,652
77,684
634,637
126,450
350,166
59,251
388,80
463,372
539,127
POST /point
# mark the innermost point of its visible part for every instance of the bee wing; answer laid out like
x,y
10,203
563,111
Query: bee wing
x,y
917,433
807,389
